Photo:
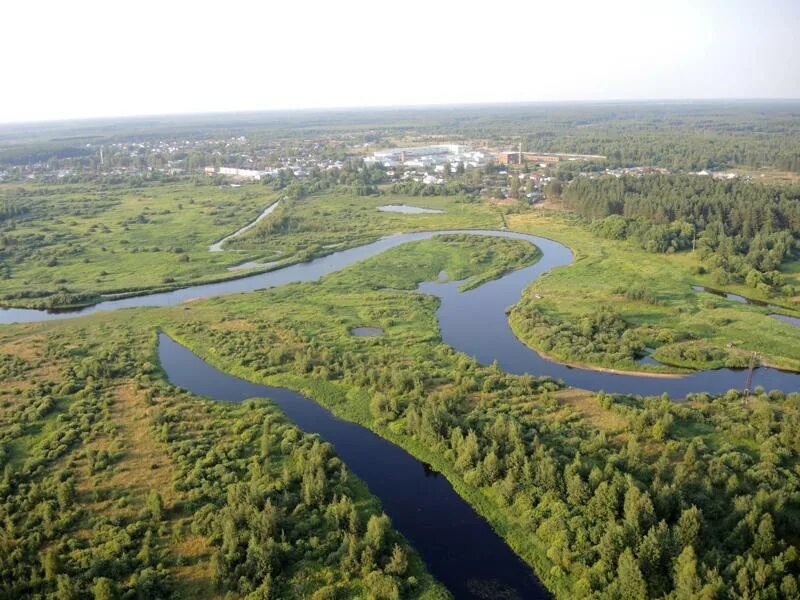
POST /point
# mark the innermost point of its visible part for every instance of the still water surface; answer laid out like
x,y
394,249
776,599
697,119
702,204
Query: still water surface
x,y
407,209
459,548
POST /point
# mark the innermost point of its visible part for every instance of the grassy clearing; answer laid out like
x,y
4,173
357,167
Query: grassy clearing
x,y
329,221
442,258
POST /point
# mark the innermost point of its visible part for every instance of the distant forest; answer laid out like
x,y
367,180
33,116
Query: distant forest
x,y
678,136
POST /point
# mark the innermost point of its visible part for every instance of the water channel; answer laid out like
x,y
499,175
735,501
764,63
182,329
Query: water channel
x,y
473,322
458,546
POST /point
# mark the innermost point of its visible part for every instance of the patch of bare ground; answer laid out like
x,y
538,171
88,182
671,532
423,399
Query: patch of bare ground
x,y
587,405
146,466
28,348
552,204
193,578
233,325
143,464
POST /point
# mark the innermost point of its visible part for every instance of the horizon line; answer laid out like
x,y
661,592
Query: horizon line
x,y
391,107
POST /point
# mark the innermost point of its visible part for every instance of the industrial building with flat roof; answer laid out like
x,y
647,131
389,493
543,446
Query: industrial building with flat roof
x,y
422,156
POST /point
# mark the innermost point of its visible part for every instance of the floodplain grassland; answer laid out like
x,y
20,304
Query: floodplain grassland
x,y
69,244
75,241
331,220
616,298
487,258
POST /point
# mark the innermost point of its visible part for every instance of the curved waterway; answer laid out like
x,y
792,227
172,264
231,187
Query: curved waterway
x,y
472,322
458,546
217,246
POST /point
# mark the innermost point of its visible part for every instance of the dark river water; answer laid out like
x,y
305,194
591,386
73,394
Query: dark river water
x,y
472,322
459,548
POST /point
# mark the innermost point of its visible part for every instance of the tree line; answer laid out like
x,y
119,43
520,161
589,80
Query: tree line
x,y
743,231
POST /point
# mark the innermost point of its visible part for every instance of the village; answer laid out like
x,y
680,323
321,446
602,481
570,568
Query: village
x,y
504,173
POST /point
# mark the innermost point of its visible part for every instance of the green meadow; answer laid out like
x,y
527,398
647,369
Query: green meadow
x,y
90,239
75,242
688,329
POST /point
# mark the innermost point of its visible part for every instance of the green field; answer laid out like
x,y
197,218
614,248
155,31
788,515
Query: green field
x,y
103,239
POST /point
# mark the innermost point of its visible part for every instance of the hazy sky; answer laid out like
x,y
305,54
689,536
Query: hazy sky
x,y
87,58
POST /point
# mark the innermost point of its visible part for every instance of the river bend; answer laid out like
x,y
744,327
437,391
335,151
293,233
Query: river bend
x,y
473,322
457,545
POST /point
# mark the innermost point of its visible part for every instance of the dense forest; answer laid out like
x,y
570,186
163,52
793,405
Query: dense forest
x,y
743,231
117,485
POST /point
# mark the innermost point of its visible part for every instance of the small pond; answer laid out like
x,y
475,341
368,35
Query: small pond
x,y
648,359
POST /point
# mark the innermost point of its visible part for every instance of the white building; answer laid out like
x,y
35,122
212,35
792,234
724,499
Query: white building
x,y
234,172
424,156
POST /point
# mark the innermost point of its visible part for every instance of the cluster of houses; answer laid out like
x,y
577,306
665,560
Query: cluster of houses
x,y
251,174
641,171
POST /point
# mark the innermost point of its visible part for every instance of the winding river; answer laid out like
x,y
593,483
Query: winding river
x,y
458,546
472,322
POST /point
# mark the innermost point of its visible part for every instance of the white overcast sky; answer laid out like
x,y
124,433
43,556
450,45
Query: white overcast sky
x,y
87,58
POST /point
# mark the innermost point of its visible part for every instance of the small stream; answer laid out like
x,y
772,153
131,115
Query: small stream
x,y
217,246
743,300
